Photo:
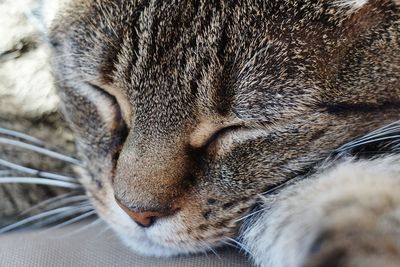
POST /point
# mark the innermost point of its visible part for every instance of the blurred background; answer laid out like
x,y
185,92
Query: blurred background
x,y
29,104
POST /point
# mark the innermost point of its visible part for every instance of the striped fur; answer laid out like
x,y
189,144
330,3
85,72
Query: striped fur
x,y
196,109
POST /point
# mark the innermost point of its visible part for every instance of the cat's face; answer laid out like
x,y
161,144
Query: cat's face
x,y
184,113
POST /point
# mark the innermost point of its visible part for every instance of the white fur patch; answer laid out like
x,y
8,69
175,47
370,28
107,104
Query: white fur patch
x,y
50,9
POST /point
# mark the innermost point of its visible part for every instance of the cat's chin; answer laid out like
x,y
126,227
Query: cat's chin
x,y
146,247
140,243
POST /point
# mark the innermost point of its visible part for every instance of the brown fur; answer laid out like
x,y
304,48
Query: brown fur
x,y
226,99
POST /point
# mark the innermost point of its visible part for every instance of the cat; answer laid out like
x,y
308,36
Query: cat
x,y
204,122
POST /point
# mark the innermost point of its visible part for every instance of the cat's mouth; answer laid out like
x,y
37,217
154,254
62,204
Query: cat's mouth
x,y
166,237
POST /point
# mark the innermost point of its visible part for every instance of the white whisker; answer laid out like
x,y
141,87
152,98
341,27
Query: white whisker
x,y
78,209
31,219
47,201
248,215
80,229
373,136
82,199
40,150
228,243
368,142
73,220
367,138
21,136
41,181
236,244
36,172
208,247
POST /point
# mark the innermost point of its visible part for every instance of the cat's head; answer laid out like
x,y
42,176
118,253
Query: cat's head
x,y
186,112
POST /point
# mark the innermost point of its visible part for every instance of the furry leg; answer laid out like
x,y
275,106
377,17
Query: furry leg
x,y
346,215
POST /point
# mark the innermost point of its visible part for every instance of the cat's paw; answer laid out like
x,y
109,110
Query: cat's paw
x,y
354,249
347,215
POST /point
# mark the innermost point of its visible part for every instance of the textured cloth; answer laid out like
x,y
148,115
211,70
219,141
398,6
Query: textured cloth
x,y
94,246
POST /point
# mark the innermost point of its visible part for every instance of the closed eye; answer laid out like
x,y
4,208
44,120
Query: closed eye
x,y
221,133
206,135
120,100
107,106
210,141
111,115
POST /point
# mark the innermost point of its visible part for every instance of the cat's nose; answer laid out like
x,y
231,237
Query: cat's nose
x,y
144,218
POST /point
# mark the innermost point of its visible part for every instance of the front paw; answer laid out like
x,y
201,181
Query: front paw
x,y
354,249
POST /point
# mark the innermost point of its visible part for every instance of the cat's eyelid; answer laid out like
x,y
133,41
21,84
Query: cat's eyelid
x,y
101,100
206,131
202,133
215,136
122,100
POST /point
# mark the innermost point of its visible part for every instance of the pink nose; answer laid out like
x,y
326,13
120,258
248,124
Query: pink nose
x,y
145,218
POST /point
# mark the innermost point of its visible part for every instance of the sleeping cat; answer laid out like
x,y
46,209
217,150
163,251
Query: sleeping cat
x,y
202,121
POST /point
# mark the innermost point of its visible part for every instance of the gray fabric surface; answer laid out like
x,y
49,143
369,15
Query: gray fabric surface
x,y
94,246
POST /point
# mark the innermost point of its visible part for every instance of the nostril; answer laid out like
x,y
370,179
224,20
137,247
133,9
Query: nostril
x,y
145,218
